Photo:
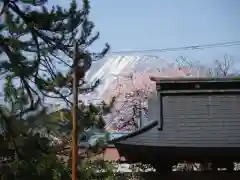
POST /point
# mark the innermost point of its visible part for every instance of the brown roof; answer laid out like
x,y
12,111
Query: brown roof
x,y
109,154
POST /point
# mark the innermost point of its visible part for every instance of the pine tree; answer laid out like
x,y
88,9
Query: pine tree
x,y
36,63
36,48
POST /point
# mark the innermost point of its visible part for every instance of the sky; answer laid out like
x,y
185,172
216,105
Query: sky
x,y
156,24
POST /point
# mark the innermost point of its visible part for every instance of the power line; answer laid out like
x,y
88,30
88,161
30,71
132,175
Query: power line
x,y
183,48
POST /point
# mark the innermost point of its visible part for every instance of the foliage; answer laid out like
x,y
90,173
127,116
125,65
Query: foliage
x,y
38,160
36,64
36,49
130,108
30,154
35,160
59,123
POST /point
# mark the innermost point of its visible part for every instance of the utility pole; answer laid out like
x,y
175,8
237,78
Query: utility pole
x,y
81,63
75,81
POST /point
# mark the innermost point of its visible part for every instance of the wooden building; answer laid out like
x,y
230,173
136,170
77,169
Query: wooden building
x,y
191,119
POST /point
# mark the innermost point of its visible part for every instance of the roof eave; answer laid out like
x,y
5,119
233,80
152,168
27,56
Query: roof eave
x,y
135,133
161,80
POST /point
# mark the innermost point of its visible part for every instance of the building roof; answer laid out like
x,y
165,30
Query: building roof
x,y
197,84
135,133
193,79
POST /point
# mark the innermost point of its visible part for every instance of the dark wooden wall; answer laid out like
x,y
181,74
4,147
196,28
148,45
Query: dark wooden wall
x,y
199,121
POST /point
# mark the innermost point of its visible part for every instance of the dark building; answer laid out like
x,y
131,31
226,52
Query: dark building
x,y
191,119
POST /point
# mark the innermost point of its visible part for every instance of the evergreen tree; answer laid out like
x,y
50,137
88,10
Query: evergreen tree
x,y
36,48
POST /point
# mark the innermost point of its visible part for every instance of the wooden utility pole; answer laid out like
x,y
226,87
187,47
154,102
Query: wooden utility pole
x,y
75,81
